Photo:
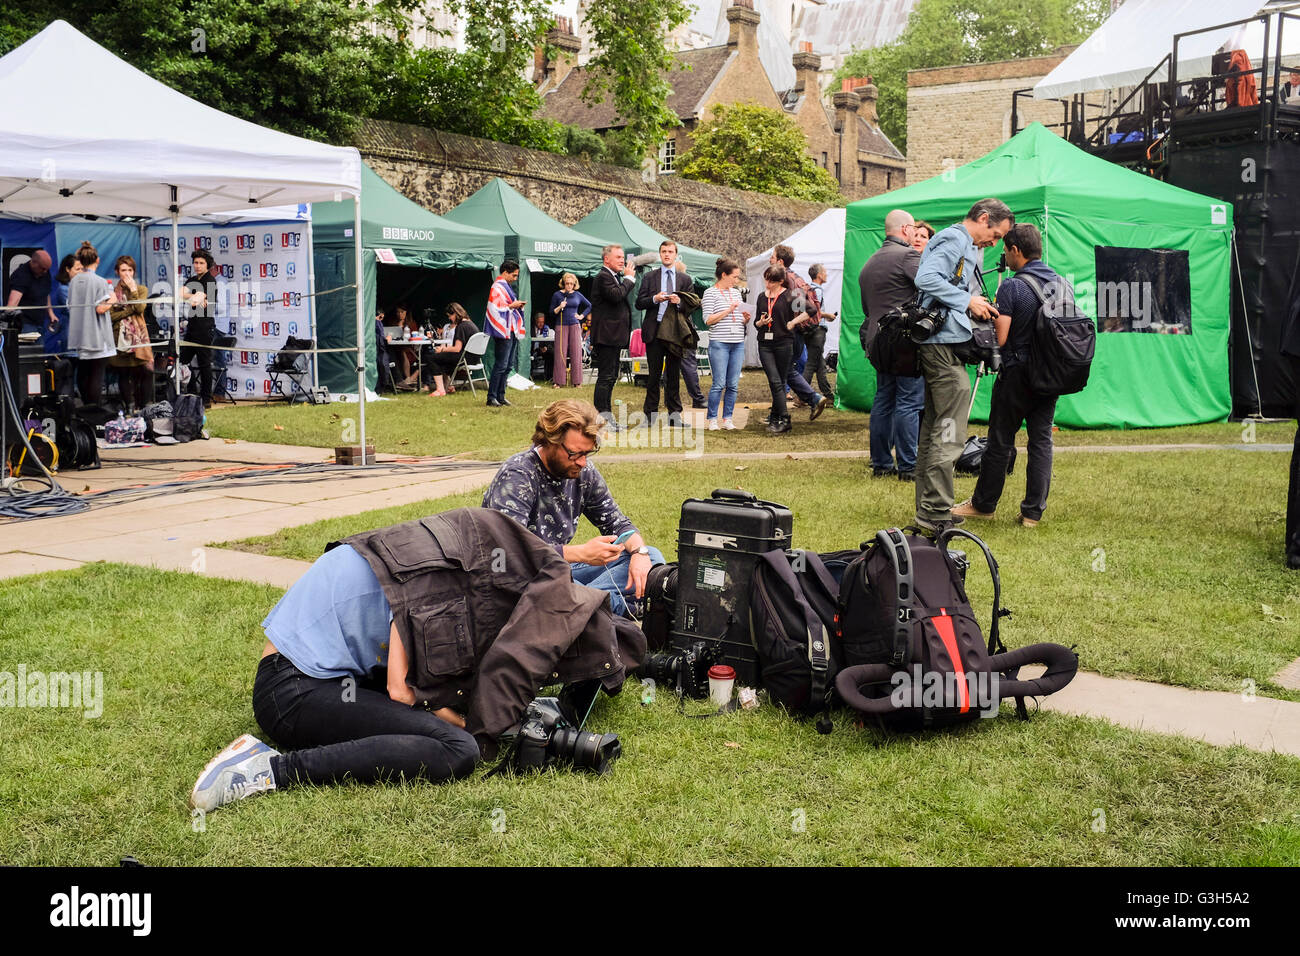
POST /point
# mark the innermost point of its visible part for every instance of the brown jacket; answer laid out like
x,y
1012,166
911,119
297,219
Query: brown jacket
x,y
489,613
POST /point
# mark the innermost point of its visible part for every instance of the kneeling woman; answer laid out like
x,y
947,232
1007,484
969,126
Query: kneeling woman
x,y
331,688
774,317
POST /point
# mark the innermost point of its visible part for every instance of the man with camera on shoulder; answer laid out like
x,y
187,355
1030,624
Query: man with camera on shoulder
x,y
948,277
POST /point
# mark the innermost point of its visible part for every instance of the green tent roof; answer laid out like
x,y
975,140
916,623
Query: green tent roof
x,y
530,234
614,222
418,237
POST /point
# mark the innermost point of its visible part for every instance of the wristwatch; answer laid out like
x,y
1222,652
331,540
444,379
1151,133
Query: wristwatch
x,y
642,550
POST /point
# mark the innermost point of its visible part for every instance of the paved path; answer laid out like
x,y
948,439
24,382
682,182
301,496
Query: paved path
x,y
175,532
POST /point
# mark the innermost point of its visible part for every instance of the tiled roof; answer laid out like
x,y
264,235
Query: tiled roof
x,y
873,140
564,104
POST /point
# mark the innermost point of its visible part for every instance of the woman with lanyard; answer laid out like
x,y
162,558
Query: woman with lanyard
x,y
775,342
726,319
572,308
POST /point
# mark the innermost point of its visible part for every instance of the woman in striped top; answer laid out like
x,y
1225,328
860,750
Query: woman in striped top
x,y
725,317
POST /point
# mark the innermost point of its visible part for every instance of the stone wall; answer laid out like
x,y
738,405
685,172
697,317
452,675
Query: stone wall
x,y
438,170
956,114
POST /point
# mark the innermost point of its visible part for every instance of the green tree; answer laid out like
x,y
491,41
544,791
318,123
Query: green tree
x,y
759,149
631,63
948,32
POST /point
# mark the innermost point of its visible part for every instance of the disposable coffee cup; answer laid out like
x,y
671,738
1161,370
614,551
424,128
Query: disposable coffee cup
x,y
721,680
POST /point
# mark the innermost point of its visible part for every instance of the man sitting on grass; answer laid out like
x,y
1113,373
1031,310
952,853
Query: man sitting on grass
x,y
551,485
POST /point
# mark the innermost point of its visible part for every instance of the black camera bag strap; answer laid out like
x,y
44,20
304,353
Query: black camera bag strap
x,y
894,545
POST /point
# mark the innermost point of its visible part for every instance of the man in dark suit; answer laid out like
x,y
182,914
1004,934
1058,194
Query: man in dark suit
x,y
611,325
886,282
659,288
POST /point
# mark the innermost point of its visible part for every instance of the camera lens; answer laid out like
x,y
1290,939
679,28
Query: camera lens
x,y
587,751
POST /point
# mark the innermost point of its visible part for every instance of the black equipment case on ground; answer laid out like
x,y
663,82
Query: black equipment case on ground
x,y
718,543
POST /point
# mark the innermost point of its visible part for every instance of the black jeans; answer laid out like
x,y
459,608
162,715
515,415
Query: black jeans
x,y
201,332
661,362
90,380
816,342
1013,403
776,358
332,729
606,358
1292,540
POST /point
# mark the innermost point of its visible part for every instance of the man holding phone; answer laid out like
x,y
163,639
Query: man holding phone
x,y
551,485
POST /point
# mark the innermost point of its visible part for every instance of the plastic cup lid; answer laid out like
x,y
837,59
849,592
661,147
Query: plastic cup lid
x,y
722,672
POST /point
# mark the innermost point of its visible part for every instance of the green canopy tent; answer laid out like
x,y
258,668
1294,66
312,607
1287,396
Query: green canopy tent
x,y
545,248
1143,256
614,222
398,236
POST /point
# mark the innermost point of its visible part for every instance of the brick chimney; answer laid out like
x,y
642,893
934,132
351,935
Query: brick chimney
x,y
806,66
549,73
868,93
743,20
846,103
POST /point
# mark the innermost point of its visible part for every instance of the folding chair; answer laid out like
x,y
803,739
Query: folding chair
x,y
220,366
293,364
474,349
702,354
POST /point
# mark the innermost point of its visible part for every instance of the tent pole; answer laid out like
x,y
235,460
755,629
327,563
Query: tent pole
x,y
311,302
361,342
176,290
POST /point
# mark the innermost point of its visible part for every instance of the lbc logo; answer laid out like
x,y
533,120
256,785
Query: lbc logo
x,y
290,240
226,271
202,242
185,271
245,242
248,358
268,270
266,387
292,300
162,244
270,329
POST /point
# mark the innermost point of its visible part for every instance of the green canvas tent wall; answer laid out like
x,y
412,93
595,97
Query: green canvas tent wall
x,y
1092,214
415,237
545,248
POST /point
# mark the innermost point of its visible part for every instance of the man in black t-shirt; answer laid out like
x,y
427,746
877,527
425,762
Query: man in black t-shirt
x,y
200,293
1013,402
29,285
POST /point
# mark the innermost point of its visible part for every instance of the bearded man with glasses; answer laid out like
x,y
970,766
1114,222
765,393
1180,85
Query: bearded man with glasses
x,y
551,485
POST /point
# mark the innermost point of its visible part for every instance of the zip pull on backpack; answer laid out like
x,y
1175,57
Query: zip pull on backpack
x,y
913,654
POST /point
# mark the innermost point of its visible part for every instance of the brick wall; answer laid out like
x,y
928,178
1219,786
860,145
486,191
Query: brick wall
x,y
956,114
438,170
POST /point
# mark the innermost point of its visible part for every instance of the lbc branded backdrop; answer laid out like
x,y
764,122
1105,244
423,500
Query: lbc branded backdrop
x,y
263,280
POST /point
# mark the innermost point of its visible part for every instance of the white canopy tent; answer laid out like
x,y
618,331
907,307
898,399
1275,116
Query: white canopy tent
x,y
180,159
822,240
1137,36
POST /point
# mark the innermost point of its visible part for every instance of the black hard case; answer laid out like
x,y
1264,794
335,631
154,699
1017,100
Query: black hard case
x,y
718,543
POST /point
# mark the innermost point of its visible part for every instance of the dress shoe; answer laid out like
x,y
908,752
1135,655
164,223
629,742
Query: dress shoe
x,y
907,476
878,472
493,403
1028,522
822,403
968,510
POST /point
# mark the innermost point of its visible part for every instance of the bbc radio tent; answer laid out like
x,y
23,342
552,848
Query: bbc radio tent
x,y
545,248
821,241
611,221
1149,261
404,247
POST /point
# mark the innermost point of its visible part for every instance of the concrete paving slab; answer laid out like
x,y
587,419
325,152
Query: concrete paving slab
x,y
257,568
1289,676
15,564
1217,717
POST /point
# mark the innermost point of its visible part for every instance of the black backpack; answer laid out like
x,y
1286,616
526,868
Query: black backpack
x,y
1064,340
187,418
792,609
971,458
911,652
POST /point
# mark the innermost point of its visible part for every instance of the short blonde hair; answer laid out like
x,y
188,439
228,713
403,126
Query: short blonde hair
x,y
558,417
567,277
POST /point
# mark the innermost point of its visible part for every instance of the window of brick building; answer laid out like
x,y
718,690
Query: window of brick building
x,y
826,160
837,172
863,170
668,156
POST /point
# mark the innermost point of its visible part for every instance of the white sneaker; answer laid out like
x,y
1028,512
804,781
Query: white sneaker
x,y
713,424
241,770
728,424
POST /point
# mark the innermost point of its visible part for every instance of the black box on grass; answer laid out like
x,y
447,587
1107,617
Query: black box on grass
x,y
719,540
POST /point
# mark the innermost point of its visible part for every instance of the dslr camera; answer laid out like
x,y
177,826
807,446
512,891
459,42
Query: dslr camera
x,y
547,737
686,668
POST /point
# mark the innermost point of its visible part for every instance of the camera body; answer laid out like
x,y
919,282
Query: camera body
x,y
546,736
744,292
685,666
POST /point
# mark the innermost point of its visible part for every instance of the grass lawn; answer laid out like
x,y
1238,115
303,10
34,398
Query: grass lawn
x,y
178,654
461,425
1143,560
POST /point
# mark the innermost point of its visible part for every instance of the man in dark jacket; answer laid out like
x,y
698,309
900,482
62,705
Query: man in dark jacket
x,y
1291,349
611,325
659,290
410,650
887,282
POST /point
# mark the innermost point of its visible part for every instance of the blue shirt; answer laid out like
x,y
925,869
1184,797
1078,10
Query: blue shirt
x,y
56,342
667,283
939,262
575,305
335,620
